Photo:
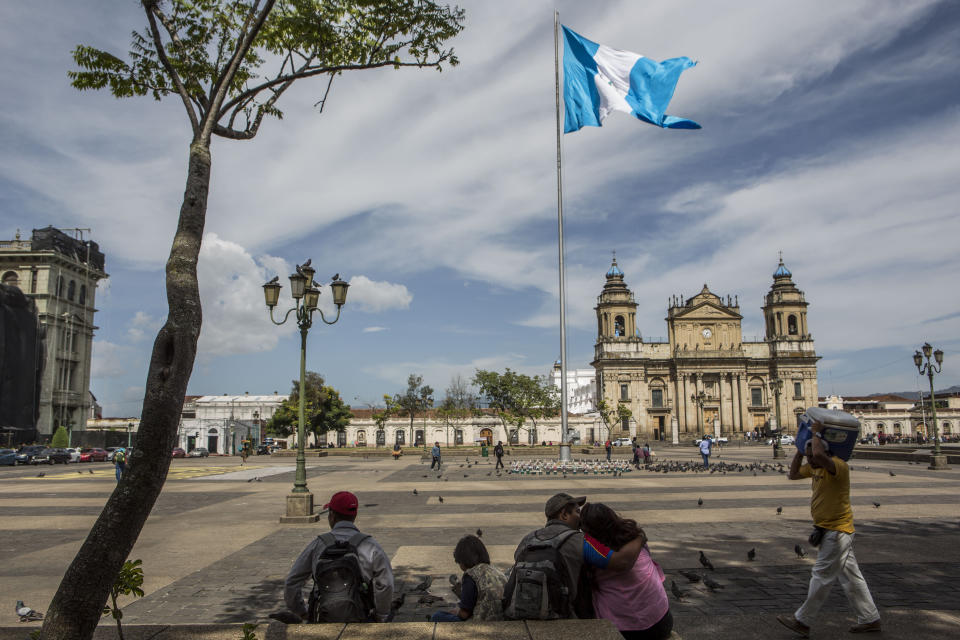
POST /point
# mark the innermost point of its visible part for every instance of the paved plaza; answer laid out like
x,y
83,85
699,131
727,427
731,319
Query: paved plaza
x,y
213,550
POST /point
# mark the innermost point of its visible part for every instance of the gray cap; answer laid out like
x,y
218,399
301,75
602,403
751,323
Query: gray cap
x,y
557,503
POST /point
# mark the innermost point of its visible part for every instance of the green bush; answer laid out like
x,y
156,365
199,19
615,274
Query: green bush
x,y
61,439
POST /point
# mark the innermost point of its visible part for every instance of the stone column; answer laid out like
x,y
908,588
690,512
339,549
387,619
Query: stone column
x,y
744,414
684,399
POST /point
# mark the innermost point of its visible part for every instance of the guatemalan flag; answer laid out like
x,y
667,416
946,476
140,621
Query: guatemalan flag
x,y
598,80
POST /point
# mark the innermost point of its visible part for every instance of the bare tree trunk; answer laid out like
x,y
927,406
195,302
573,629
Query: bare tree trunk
x,y
76,608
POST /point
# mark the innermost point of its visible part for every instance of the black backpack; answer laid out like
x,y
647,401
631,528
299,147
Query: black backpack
x,y
539,586
340,594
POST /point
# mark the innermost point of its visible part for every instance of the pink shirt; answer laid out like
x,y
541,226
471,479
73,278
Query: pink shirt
x,y
632,600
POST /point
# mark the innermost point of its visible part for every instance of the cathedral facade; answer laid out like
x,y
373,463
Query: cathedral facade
x,y
704,378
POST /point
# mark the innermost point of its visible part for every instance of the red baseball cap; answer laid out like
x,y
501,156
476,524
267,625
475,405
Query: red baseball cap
x,y
343,502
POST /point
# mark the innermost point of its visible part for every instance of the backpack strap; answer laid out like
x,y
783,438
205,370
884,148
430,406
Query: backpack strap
x,y
357,539
328,539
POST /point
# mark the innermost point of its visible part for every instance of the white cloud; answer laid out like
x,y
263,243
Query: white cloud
x,y
373,329
235,318
143,325
110,360
376,296
437,372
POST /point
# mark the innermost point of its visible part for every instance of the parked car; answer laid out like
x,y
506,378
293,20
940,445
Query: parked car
x,y
178,453
8,457
721,440
25,454
199,452
93,454
51,456
74,455
622,442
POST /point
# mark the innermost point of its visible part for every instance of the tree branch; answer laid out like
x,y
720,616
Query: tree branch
x,y
316,71
248,33
175,39
150,6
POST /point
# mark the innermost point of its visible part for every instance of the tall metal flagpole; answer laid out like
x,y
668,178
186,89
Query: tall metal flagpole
x,y
565,433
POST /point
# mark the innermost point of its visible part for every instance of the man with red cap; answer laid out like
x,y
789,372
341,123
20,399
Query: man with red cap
x,y
374,564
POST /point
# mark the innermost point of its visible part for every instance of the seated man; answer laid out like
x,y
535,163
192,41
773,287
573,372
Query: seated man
x,y
340,554
559,542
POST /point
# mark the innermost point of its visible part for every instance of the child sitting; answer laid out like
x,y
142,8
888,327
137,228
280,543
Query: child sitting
x,y
482,585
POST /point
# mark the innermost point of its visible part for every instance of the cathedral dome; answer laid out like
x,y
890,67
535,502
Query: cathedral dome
x,y
614,271
781,270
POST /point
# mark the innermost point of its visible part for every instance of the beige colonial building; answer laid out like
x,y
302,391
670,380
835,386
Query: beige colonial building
x,y
898,417
60,273
704,378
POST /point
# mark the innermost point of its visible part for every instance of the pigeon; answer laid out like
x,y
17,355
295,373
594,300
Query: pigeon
x,y
440,498
397,601
464,475
705,562
677,593
251,479
453,579
423,586
415,492
692,576
90,470
711,584
699,502
371,504
489,472
892,474
479,533
40,475
26,613
275,280
429,599
779,510
876,505
335,277
799,551
307,263
752,554
456,586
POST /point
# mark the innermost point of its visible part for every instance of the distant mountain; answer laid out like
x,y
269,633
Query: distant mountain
x,y
915,395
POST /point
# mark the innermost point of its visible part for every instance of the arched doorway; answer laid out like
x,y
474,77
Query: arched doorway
x,y
212,440
486,434
361,438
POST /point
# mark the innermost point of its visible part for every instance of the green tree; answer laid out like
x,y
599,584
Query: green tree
x,y
60,438
517,399
228,63
381,415
459,404
323,408
613,416
415,400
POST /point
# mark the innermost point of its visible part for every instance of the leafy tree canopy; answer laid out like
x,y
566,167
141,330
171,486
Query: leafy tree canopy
x,y
613,416
517,397
230,61
416,399
324,410
61,438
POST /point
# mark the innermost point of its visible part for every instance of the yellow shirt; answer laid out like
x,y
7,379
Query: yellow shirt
x,y
830,503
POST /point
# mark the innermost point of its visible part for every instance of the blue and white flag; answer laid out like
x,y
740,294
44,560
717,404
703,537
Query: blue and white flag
x,y
598,80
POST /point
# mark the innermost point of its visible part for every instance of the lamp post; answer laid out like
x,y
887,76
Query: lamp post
x,y
776,387
129,427
937,461
699,399
306,295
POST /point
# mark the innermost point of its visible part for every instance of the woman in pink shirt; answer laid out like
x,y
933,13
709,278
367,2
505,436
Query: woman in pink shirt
x,y
634,600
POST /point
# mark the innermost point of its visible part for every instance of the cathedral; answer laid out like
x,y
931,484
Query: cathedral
x,y
704,378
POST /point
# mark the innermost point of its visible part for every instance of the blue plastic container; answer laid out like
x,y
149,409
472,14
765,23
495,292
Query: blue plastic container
x,y
841,430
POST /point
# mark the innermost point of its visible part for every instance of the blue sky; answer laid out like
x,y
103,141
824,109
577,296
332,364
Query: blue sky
x,y
831,133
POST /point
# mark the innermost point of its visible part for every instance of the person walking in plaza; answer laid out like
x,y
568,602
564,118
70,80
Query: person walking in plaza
x,y
609,447
498,452
705,446
435,454
635,447
646,453
120,462
633,600
833,517
481,593
396,451
334,555
552,558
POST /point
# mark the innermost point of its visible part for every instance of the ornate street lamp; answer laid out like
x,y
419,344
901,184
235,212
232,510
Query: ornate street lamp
x,y
937,461
700,399
776,388
306,294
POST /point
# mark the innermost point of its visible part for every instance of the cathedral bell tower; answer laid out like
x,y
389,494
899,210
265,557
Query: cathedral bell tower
x,y
616,309
785,309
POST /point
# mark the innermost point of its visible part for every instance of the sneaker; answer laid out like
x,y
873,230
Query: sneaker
x,y
794,625
869,627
